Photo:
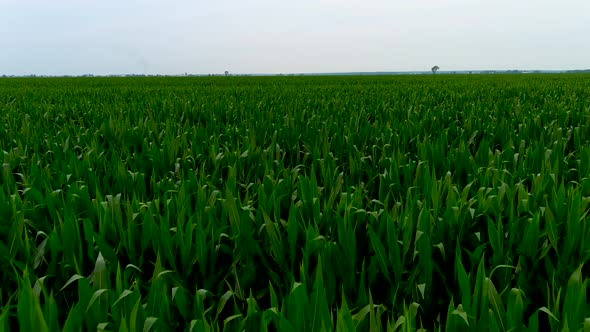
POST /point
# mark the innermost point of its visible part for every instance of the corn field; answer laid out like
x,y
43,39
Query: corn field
x,y
405,203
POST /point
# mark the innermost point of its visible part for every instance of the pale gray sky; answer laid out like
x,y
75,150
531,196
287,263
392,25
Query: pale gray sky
x,y
54,37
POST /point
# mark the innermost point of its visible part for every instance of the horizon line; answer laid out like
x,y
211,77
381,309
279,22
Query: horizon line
x,y
339,73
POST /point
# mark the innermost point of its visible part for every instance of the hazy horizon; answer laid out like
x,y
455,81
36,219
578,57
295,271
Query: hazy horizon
x,y
67,37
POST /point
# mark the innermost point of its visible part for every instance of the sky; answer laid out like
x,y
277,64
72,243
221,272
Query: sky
x,y
75,37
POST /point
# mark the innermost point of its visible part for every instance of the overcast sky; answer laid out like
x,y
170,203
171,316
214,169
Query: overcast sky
x,y
55,37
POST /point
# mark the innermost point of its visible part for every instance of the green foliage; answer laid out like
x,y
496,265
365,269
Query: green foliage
x,y
456,203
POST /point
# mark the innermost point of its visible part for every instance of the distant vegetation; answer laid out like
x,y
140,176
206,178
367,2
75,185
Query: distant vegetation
x,y
295,203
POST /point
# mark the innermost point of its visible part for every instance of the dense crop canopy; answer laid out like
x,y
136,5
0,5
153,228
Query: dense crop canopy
x,y
295,203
